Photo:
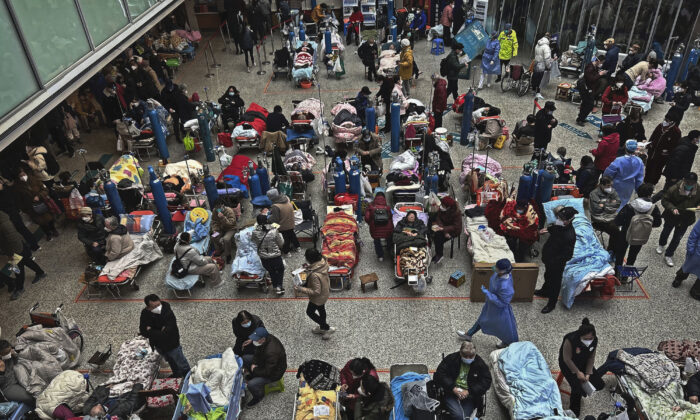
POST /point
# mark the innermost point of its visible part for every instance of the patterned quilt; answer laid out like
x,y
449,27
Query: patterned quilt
x,y
660,404
133,367
339,246
126,167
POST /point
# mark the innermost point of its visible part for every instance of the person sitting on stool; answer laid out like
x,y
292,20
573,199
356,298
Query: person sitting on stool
x,y
267,365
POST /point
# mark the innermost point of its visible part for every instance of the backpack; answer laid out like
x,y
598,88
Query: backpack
x,y
381,217
640,228
177,269
443,67
52,167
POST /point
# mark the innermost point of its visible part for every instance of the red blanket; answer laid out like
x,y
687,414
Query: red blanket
x,y
258,124
339,246
238,163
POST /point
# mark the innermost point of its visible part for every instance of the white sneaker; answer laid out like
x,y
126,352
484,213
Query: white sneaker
x,y
327,334
317,330
380,259
660,249
279,291
488,85
464,336
669,261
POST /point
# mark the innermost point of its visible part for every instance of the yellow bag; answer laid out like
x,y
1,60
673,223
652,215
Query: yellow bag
x,y
500,141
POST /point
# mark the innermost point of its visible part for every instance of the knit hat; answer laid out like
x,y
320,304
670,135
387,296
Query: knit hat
x,y
405,42
631,145
85,211
691,178
693,134
567,213
448,201
272,194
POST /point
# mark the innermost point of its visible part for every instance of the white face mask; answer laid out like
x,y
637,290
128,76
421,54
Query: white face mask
x,y
559,222
24,178
619,85
157,309
608,190
361,392
246,324
257,343
8,356
442,208
587,343
87,219
666,123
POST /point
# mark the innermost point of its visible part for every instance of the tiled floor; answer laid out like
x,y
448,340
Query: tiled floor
x,y
388,325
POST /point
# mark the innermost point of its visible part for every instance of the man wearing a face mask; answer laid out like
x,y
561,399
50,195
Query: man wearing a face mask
x,y
9,385
556,252
92,233
576,358
465,377
677,218
633,57
370,150
267,365
544,124
662,142
159,325
604,205
681,160
497,316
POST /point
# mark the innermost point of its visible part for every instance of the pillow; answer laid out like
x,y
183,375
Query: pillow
x,y
137,223
549,207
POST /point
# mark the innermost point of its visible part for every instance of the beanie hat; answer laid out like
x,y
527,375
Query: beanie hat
x,y
85,211
405,42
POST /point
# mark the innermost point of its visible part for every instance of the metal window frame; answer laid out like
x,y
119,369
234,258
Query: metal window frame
x,y
91,43
25,114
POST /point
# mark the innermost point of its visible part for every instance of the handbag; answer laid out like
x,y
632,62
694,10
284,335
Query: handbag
x,y
40,208
298,214
53,207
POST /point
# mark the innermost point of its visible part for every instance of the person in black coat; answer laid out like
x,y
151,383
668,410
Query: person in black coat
x,y
544,123
587,176
463,394
368,52
631,128
385,91
99,403
231,105
181,109
576,358
276,121
9,206
692,389
556,252
245,324
159,325
248,41
680,163
642,204
633,57
92,234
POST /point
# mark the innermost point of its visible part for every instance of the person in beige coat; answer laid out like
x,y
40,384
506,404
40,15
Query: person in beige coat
x,y
640,70
195,263
282,213
224,224
317,289
36,160
119,242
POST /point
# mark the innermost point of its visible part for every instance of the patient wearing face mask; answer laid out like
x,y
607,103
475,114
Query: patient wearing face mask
x,y
576,358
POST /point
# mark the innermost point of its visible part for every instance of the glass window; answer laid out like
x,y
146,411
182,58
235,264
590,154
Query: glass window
x,y
54,33
104,18
18,82
136,7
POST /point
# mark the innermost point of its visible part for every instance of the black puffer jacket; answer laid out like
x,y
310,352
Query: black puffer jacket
x,y
242,334
121,406
681,160
163,334
231,105
93,231
478,379
559,247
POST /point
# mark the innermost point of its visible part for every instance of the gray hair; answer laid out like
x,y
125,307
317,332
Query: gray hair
x,y
467,347
112,221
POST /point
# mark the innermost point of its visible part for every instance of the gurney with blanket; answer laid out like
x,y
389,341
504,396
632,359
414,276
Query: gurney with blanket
x,y
340,248
346,125
246,269
304,67
253,122
198,223
411,248
317,396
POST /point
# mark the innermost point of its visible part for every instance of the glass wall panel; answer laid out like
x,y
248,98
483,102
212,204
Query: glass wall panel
x,y
54,33
136,7
104,18
17,82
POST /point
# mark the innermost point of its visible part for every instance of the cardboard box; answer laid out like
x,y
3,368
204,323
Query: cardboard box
x,y
524,281
457,278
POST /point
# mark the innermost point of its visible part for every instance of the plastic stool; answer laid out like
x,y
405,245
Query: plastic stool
x,y
437,47
277,386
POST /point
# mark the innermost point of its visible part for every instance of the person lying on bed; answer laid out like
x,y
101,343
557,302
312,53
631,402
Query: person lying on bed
x,y
9,385
410,231
99,404
119,242
306,47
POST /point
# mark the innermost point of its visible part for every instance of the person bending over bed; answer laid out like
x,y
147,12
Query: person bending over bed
x,y
519,223
448,225
465,377
351,377
376,401
159,325
99,404
119,242
9,385
410,231
576,358
245,324
195,263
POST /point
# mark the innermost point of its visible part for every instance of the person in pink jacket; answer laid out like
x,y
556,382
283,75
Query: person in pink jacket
x,y
606,152
654,85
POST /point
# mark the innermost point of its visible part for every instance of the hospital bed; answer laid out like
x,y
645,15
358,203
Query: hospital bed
x,y
254,121
182,288
483,243
304,66
246,269
340,248
416,276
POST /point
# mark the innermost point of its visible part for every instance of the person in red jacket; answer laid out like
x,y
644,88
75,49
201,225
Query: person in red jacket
x,y
439,98
378,218
615,95
354,25
350,378
606,151
519,223
447,225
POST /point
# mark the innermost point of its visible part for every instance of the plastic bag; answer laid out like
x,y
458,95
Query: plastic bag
x,y
415,395
120,144
188,142
554,72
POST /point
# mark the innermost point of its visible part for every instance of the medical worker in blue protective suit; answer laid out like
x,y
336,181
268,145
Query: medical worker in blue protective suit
x,y
490,63
627,173
497,316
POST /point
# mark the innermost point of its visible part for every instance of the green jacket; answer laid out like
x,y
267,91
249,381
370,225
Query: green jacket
x,y
674,200
375,410
453,66
509,45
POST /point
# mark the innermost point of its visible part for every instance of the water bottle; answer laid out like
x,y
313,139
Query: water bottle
x,y
14,268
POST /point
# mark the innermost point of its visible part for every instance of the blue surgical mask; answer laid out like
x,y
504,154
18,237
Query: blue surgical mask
x,y
231,93
467,361
689,187
246,324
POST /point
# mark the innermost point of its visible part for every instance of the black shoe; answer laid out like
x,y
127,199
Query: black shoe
x,y
35,248
540,293
38,277
676,283
547,309
498,79
581,123
253,402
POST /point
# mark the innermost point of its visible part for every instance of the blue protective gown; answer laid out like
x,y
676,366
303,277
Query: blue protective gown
x,y
692,252
497,316
493,47
627,173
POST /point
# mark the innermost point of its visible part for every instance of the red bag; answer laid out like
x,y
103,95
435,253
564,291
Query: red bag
x,y
225,139
346,198
53,207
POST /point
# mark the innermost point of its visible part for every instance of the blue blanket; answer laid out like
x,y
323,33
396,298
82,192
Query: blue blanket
x,y
247,259
590,258
396,390
306,73
293,134
530,381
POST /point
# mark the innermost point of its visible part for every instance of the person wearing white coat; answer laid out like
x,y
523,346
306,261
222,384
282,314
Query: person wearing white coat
x,y
543,54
